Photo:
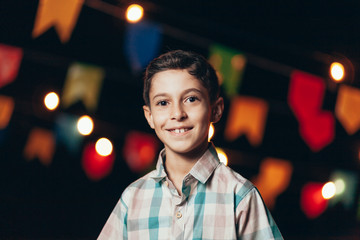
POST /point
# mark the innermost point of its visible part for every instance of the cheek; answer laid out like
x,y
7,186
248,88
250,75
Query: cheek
x,y
158,120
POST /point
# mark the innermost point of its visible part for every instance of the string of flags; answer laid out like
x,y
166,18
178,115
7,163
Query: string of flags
x,y
142,43
247,114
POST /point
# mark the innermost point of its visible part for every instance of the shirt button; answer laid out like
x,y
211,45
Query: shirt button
x,y
166,183
178,215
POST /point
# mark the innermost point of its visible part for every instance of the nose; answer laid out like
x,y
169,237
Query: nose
x,y
178,112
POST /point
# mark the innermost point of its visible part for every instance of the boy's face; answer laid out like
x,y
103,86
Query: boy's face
x,y
180,111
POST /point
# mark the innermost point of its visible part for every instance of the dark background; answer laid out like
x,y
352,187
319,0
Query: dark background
x,y
60,202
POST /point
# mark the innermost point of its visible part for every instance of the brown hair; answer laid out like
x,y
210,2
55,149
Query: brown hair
x,y
195,64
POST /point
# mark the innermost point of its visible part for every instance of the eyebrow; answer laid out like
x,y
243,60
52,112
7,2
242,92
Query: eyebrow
x,y
184,92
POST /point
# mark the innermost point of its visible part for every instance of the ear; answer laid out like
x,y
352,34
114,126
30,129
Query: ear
x,y
148,116
217,110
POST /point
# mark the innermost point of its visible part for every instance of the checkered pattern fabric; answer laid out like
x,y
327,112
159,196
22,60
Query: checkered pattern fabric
x,y
215,203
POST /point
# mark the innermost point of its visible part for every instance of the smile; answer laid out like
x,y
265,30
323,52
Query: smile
x,y
180,130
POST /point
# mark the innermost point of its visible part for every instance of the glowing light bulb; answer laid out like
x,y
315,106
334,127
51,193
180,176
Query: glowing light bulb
x,y
222,156
340,186
51,101
328,190
104,147
85,125
337,71
211,132
134,13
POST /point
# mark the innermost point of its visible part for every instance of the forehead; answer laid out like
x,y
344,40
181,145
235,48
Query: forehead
x,y
175,80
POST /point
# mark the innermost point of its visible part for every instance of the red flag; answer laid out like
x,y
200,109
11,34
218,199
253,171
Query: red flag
x,y
305,97
10,59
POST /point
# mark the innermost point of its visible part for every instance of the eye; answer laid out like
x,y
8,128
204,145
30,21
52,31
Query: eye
x,y
192,99
162,103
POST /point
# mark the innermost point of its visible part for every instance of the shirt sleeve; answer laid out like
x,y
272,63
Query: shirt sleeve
x,y
254,219
115,227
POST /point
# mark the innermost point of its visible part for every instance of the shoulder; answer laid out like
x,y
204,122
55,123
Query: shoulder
x,y
238,184
138,188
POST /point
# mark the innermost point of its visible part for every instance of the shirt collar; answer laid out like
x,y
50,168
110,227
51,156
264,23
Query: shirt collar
x,y
206,165
202,169
160,173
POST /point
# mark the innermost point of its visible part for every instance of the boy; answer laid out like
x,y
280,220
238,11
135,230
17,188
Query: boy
x,y
190,195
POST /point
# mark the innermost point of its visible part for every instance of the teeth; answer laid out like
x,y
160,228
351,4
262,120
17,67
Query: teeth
x,y
182,130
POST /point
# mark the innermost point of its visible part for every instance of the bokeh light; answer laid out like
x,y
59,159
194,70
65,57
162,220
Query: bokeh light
x,y
104,147
85,125
96,166
140,150
222,156
312,202
328,190
337,71
134,13
340,186
51,101
211,132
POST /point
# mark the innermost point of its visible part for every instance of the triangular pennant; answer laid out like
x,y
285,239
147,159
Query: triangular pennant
x,y
273,179
40,144
247,115
230,65
83,82
142,43
347,108
10,60
6,109
67,132
62,14
305,98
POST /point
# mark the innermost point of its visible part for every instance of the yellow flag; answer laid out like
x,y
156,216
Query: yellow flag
x,y
247,115
62,14
6,109
83,82
273,179
40,144
347,109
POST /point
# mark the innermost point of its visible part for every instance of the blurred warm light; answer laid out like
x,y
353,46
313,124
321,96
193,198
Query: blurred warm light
x,y
51,101
85,125
211,132
340,186
134,13
140,150
96,166
328,190
104,147
222,156
312,202
337,71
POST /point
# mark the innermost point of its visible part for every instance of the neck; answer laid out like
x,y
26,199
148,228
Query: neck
x,y
179,165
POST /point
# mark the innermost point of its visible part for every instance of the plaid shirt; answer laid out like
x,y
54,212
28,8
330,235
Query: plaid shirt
x,y
216,203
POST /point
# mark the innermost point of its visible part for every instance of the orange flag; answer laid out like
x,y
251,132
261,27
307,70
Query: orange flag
x,y
247,115
62,14
273,179
347,109
6,109
40,144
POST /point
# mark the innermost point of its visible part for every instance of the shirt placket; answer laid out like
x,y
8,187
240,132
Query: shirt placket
x,y
179,205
